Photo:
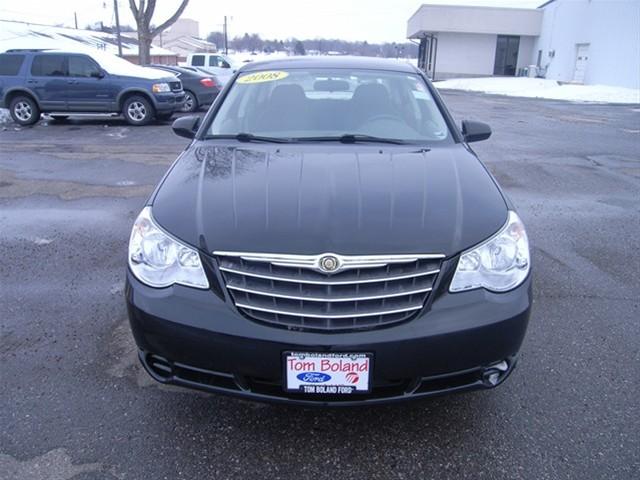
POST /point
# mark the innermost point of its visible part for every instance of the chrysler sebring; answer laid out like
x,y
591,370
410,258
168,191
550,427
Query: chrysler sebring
x,y
328,237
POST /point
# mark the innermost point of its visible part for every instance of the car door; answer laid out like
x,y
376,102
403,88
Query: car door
x,y
220,68
89,88
48,80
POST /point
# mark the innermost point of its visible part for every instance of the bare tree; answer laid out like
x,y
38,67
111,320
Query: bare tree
x,y
143,12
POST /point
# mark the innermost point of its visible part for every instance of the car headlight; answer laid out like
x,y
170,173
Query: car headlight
x,y
158,260
499,264
160,88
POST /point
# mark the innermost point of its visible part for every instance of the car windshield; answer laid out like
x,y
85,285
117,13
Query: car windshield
x,y
328,104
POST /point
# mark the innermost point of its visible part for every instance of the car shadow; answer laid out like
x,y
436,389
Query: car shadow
x,y
429,417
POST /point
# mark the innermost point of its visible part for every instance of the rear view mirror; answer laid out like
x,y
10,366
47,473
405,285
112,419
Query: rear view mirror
x,y
475,131
331,85
186,126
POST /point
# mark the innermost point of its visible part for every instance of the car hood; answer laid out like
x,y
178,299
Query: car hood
x,y
345,199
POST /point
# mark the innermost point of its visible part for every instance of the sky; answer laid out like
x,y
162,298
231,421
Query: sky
x,y
371,20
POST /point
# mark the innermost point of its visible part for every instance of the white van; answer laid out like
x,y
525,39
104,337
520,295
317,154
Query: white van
x,y
214,63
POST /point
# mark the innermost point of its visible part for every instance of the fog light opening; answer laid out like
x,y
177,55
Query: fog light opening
x,y
495,373
493,378
161,367
503,366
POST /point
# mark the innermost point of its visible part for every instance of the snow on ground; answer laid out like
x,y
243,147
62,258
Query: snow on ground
x,y
543,88
5,117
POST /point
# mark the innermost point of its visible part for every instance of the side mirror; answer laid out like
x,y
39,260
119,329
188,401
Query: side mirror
x,y
186,126
475,131
99,74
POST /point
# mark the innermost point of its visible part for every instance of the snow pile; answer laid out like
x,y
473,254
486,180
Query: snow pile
x,y
5,117
543,88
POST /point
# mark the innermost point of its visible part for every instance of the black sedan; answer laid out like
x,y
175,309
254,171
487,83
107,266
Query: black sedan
x,y
329,238
199,89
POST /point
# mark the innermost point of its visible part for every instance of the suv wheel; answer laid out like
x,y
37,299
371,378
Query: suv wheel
x,y
24,110
190,102
137,110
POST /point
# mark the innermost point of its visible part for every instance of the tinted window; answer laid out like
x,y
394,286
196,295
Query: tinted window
x,y
213,61
312,103
48,66
82,67
197,60
10,64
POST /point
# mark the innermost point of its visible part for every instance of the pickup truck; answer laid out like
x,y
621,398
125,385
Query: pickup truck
x,y
214,63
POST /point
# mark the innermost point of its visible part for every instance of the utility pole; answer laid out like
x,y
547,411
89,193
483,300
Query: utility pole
x,y
226,47
115,9
75,17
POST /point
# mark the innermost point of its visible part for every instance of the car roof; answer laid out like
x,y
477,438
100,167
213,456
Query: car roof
x,y
323,61
47,51
193,71
173,68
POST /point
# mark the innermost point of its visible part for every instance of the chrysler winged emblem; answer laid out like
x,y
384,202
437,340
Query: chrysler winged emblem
x,y
329,263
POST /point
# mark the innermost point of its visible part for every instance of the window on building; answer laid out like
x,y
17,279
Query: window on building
x,y
539,61
49,66
506,61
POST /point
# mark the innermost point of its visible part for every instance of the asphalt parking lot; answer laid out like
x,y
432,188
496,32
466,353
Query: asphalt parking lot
x,y
75,403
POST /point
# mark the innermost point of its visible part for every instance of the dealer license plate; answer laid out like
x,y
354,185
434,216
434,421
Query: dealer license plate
x,y
327,373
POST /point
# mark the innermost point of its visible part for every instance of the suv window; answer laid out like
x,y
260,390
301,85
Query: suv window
x,y
197,60
82,67
213,61
10,64
48,66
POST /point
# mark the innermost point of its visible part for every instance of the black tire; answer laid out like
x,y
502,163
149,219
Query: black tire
x,y
163,117
190,102
59,118
24,110
137,110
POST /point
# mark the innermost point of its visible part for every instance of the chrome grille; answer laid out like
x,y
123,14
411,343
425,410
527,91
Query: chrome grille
x,y
176,86
363,292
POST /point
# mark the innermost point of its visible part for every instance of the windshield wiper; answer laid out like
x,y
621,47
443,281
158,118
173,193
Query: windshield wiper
x,y
356,138
250,137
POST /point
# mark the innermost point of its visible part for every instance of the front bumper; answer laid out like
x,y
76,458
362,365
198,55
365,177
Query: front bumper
x,y
197,339
168,102
207,98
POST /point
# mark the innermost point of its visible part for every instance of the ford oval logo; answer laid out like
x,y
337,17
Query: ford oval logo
x,y
313,377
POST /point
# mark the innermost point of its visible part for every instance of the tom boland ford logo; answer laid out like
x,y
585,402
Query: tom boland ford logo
x,y
329,263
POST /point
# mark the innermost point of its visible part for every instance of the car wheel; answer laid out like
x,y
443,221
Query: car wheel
x,y
137,110
24,110
190,102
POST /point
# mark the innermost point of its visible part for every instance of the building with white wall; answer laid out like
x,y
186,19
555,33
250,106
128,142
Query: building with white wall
x,y
474,41
581,41
590,41
183,37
